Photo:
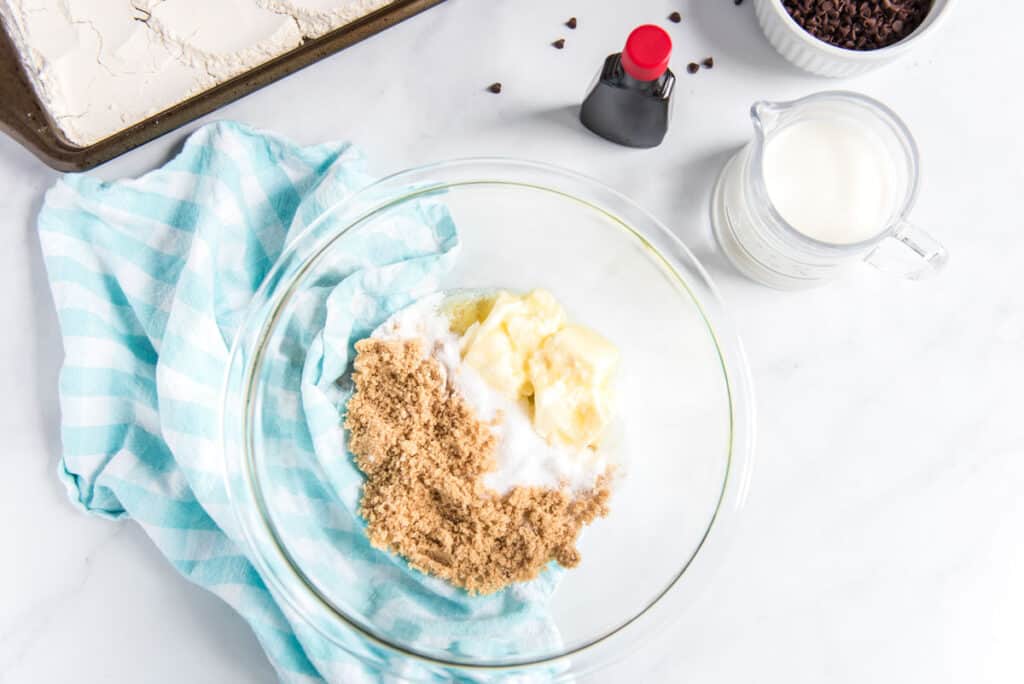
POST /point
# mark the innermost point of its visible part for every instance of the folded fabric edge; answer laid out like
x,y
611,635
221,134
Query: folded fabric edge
x,y
80,500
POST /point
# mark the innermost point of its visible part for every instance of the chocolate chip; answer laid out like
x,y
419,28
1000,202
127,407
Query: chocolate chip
x,y
675,17
571,23
494,88
560,43
737,2
693,67
859,24
709,63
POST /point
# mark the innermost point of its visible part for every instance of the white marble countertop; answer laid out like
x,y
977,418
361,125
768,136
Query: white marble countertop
x,y
883,540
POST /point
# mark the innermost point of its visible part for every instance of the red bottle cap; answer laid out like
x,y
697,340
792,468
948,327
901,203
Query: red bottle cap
x,y
645,57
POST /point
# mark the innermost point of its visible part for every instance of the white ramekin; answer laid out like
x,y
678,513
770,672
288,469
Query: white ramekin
x,y
824,59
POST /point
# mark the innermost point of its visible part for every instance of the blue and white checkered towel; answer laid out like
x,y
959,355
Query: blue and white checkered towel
x,y
151,278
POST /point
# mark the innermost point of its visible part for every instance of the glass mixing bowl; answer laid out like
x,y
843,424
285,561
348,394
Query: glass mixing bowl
x,y
684,397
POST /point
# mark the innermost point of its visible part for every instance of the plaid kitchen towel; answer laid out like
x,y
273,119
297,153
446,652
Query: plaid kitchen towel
x,y
151,278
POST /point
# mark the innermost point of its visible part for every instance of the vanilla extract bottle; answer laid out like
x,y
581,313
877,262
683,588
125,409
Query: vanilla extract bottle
x,y
630,103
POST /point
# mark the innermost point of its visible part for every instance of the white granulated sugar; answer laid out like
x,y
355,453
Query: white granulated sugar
x,y
100,66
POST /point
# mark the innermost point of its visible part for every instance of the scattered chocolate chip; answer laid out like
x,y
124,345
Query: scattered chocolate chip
x,y
675,17
571,23
560,43
737,2
709,63
693,67
494,88
858,24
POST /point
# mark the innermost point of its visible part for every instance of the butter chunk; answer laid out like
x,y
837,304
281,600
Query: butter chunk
x,y
572,374
524,348
499,347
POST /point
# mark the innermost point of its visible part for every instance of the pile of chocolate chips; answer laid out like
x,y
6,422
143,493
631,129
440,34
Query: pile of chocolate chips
x,y
859,24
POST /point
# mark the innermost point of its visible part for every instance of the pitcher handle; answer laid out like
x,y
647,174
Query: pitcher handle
x,y
921,256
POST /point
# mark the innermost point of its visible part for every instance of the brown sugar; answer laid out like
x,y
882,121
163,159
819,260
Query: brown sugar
x,y
424,453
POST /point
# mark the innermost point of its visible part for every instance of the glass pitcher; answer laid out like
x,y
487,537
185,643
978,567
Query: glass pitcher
x,y
765,247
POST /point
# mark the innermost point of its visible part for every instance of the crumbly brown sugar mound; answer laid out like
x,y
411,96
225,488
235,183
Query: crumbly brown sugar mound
x,y
424,454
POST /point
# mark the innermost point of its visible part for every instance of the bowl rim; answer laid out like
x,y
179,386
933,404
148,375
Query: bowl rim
x,y
937,14
736,480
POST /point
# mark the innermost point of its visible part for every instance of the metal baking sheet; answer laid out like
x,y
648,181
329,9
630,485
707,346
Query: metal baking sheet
x,y
23,117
